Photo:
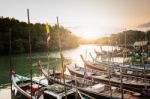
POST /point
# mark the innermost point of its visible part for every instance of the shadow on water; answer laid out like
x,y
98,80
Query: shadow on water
x,y
22,66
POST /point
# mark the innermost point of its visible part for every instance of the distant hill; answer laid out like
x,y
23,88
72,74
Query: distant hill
x,y
145,25
119,38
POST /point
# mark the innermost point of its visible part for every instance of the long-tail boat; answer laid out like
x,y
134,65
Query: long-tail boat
x,y
40,90
89,87
129,82
127,70
98,90
115,53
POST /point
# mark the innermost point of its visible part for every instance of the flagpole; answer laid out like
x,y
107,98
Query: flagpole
x,y
121,72
109,72
30,49
146,62
76,87
61,55
10,62
48,42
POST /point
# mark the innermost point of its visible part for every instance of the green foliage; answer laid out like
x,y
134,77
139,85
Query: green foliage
x,y
119,38
20,35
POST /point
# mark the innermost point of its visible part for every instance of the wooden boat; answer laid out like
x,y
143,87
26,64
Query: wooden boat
x,y
40,90
56,76
101,67
136,62
99,90
115,53
129,82
126,69
91,88
130,70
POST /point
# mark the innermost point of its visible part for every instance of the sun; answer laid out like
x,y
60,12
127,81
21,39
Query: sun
x,y
89,33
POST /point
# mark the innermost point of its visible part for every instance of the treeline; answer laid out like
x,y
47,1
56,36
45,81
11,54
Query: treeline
x,y
129,36
20,35
87,41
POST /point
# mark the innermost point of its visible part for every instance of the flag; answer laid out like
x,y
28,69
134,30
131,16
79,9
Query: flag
x,y
48,33
12,71
40,65
47,28
48,39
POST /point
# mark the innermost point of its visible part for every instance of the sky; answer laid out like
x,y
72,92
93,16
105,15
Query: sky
x,y
85,18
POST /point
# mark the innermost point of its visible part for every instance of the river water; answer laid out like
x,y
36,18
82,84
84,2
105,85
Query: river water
x,y
22,66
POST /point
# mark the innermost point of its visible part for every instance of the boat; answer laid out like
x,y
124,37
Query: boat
x,y
137,54
98,90
115,53
91,88
129,82
40,90
116,67
129,70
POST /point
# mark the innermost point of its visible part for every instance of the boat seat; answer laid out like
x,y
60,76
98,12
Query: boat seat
x,y
24,84
129,72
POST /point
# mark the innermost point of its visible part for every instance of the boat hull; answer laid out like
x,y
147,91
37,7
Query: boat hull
x,y
133,87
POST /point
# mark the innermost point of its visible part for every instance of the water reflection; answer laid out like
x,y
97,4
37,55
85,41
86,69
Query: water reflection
x,y
22,66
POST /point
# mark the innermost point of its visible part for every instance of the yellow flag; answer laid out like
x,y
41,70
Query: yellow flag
x,y
47,28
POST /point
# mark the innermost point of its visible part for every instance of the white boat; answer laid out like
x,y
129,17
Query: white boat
x,y
40,90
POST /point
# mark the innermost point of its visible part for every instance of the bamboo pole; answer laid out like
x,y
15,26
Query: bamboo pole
x,y
30,49
122,96
85,53
48,59
10,62
48,56
58,34
146,63
62,58
76,87
125,45
109,72
121,75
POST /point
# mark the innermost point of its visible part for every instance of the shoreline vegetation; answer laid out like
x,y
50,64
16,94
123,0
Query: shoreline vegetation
x,y
19,34
116,39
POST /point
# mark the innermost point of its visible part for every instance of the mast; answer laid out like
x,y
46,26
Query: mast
x,y
122,97
62,58
30,60
125,40
10,62
76,87
109,72
48,42
146,62
121,73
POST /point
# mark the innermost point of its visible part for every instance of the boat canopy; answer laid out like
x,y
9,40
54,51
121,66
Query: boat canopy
x,y
141,43
97,88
